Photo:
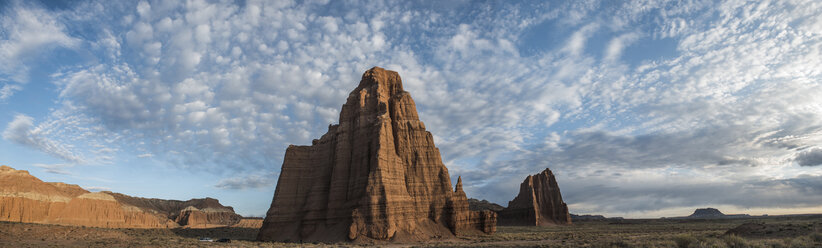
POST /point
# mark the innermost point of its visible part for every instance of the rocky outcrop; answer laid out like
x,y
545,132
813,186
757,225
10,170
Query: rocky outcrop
x,y
707,213
100,209
254,223
539,203
374,176
207,217
24,198
195,213
712,213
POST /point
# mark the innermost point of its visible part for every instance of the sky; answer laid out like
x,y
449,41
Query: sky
x,y
641,109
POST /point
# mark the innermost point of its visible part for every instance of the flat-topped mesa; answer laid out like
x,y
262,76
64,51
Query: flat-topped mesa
x,y
538,203
375,176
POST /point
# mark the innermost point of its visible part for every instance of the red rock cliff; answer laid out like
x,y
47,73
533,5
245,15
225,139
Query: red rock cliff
x,y
539,203
375,176
24,198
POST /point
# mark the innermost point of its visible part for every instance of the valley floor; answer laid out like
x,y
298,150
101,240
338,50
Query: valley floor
x,y
801,231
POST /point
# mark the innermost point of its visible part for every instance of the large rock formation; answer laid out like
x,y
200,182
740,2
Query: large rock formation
x,y
24,198
539,203
375,176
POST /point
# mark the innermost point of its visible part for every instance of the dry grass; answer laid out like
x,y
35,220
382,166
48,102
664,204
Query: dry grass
x,y
628,233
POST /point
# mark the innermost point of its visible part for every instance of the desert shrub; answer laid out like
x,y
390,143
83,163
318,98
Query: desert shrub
x,y
816,237
708,243
802,241
734,241
685,240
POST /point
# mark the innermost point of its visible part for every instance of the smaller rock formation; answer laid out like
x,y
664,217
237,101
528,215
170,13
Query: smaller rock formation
x,y
712,213
195,213
207,217
706,213
539,203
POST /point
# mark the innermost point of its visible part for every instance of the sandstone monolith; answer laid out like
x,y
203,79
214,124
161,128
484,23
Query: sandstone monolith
x,y
539,203
374,176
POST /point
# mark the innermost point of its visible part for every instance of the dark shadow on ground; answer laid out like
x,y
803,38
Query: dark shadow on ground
x,y
233,233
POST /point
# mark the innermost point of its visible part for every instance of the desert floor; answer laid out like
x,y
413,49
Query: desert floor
x,y
761,232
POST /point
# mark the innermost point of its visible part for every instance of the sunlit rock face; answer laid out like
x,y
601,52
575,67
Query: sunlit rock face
x,y
539,203
375,176
25,198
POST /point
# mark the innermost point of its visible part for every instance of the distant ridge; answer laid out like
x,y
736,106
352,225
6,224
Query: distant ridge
x,y
575,217
711,213
480,205
25,198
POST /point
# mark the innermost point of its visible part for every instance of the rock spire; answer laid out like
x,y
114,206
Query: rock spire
x,y
374,176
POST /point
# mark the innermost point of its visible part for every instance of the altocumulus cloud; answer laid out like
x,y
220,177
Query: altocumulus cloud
x,y
21,131
620,99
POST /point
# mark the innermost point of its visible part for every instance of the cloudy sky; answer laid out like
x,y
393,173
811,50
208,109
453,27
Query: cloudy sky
x,y
641,109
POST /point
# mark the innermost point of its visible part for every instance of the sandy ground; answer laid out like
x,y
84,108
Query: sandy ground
x,y
764,232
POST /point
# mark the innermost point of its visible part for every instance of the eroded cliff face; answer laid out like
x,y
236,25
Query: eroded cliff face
x,y
24,198
207,217
254,223
100,209
375,176
194,213
538,203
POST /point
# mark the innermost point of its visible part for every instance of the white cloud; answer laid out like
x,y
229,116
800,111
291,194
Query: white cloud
x,y
56,168
144,9
576,42
21,130
96,188
8,90
266,180
618,44
26,33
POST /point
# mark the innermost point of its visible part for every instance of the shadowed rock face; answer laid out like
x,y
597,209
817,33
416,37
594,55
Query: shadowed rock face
x,y
539,203
24,198
479,205
375,176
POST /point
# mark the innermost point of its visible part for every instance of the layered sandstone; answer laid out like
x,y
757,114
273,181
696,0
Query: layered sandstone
x,y
207,217
100,209
25,198
538,203
195,213
254,223
374,176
